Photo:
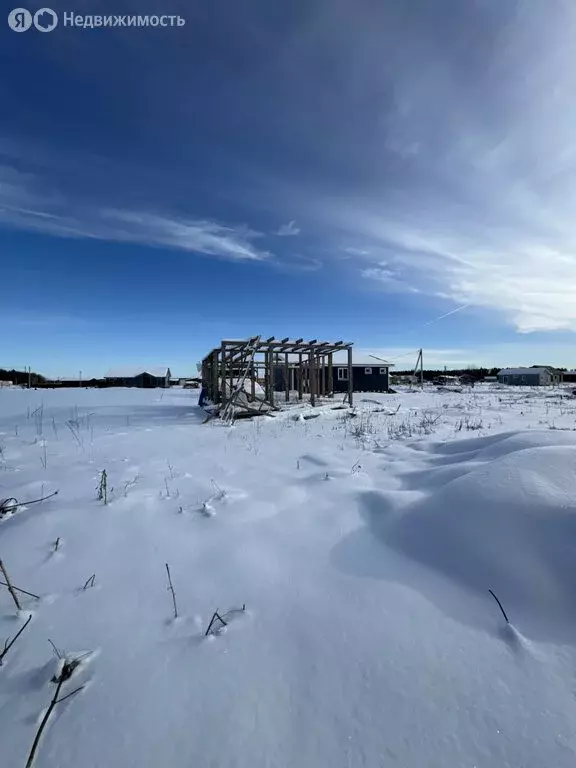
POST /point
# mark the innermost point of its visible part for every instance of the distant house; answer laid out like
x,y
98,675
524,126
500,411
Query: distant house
x,y
442,380
139,377
556,373
529,377
368,375
371,376
570,377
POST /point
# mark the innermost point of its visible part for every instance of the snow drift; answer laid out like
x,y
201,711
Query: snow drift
x,y
500,514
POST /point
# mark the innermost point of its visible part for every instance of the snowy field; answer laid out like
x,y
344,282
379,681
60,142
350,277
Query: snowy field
x,y
349,555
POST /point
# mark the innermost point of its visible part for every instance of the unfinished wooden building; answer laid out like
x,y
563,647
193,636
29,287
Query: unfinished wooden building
x,y
258,374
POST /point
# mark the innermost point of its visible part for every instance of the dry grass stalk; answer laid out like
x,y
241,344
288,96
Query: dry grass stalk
x,y
24,592
215,617
10,587
9,643
171,589
68,668
90,582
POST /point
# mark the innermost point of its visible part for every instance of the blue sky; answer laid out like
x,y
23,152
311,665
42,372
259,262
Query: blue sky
x,y
319,168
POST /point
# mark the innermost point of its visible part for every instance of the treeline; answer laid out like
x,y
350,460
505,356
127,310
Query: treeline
x,y
474,373
21,377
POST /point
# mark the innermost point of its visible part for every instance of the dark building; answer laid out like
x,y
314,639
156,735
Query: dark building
x,y
366,377
538,376
151,377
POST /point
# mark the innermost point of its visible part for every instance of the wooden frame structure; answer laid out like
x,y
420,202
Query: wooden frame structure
x,y
261,370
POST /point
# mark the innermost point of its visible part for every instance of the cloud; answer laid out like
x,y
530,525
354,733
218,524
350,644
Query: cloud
x,y
388,279
465,177
199,236
288,230
24,204
528,282
298,263
357,251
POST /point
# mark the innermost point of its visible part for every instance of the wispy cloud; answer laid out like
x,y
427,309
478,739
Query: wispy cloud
x,y
206,237
288,230
388,279
298,263
465,181
24,204
528,281
357,251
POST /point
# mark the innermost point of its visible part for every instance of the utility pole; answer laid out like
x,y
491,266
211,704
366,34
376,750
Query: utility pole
x,y
420,365
29,377
80,380
422,368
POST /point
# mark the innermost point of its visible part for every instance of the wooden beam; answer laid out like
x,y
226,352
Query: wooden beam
x,y
311,363
350,378
300,377
271,376
222,387
214,375
286,378
330,375
232,363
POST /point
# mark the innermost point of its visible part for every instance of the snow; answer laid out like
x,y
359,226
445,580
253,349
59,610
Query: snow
x,y
362,547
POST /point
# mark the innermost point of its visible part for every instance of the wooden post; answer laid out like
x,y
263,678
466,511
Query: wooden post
x,y
312,379
231,364
330,376
350,378
287,377
323,364
270,377
300,376
422,368
222,386
253,370
214,376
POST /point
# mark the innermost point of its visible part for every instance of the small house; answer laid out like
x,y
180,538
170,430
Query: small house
x,y
527,377
139,377
556,374
371,376
367,376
